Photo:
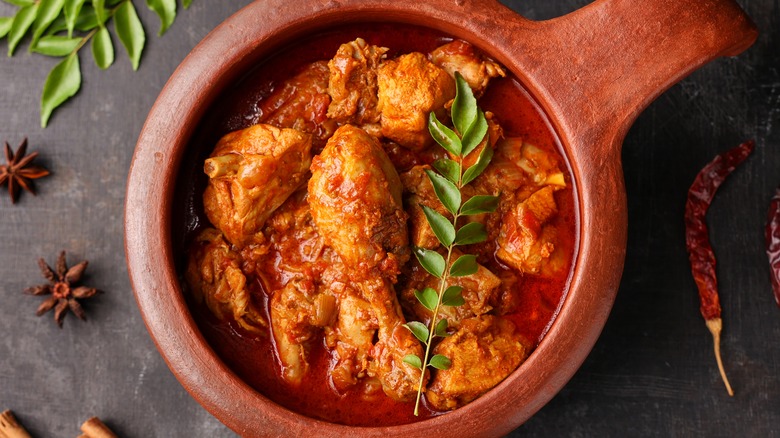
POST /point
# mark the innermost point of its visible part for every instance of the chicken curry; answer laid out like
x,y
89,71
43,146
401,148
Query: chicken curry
x,y
303,213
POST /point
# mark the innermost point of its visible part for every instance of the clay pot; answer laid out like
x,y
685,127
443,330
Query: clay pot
x,y
592,71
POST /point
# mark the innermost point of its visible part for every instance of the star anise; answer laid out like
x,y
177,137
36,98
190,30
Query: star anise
x,y
61,288
17,172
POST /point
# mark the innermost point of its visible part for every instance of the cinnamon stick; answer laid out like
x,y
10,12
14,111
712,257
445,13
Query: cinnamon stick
x,y
10,428
94,428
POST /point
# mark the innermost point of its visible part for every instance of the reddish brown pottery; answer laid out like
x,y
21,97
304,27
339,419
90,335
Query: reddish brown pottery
x,y
592,71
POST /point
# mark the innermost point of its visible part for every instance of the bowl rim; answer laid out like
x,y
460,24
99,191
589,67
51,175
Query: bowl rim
x,y
239,42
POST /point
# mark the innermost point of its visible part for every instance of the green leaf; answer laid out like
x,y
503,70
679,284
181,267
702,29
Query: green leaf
x,y
431,261
166,10
72,9
479,204
443,135
413,360
453,297
130,32
22,21
428,298
419,330
450,169
464,266
441,226
63,82
102,49
186,3
54,45
86,21
472,232
476,133
100,10
5,25
441,328
48,10
20,3
464,108
440,362
482,162
446,191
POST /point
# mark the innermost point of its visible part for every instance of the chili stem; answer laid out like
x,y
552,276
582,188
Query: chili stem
x,y
715,326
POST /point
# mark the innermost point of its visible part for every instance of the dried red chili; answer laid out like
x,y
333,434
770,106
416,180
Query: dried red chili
x,y
697,239
772,234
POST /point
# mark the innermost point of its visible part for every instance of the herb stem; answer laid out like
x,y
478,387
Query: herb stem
x,y
442,286
84,40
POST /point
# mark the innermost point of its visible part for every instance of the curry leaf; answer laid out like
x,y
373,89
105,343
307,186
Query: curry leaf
x,y
453,296
431,261
62,83
446,191
476,133
443,135
166,10
85,21
464,108
427,297
48,10
419,330
449,168
102,49
100,10
441,226
5,25
482,162
413,360
130,32
472,232
23,19
440,362
54,45
441,328
20,3
479,204
464,266
72,9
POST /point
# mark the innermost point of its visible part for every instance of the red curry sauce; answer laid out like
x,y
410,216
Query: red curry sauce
x,y
252,357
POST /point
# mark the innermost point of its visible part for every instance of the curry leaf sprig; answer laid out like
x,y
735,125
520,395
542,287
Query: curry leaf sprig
x,y
61,28
470,130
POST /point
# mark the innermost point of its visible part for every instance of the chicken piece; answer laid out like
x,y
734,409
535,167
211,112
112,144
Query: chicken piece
x,y
214,275
516,163
410,87
355,199
353,84
301,103
483,352
351,341
394,342
526,239
479,290
368,340
476,69
296,313
251,173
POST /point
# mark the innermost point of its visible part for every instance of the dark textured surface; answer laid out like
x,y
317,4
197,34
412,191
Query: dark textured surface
x,y
652,373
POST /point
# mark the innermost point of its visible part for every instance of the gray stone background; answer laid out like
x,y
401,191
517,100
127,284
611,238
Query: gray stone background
x,y
651,373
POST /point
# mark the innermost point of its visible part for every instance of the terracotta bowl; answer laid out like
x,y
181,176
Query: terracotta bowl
x,y
591,71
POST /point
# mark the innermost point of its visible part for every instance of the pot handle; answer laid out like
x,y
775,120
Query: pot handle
x,y
604,63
